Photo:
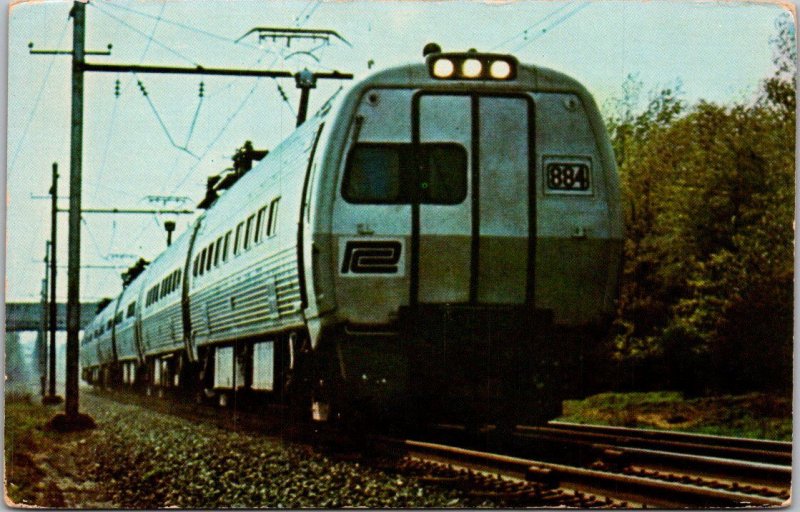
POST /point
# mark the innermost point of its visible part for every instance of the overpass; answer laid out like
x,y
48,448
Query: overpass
x,y
27,316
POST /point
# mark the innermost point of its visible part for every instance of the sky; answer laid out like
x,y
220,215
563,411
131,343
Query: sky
x,y
167,143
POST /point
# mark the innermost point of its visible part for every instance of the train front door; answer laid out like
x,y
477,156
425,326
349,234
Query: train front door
x,y
472,250
473,223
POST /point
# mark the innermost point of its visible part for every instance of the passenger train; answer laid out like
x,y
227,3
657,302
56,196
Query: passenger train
x,y
439,241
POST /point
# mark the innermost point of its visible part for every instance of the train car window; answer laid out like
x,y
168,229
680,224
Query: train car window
x,y
131,309
210,258
444,179
194,266
379,173
237,238
178,278
217,250
225,247
201,266
259,224
272,226
373,174
247,230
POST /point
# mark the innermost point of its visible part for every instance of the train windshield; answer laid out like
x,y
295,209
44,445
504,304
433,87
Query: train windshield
x,y
382,173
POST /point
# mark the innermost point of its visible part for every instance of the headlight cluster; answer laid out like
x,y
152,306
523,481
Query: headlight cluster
x,y
472,66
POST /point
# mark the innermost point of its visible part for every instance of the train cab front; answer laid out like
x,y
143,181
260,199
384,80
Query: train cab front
x,y
437,235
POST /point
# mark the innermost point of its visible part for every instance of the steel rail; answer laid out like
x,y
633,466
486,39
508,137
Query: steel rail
x,y
668,435
696,447
754,473
634,488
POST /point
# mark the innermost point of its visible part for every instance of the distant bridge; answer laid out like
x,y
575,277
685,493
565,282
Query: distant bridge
x,y
27,316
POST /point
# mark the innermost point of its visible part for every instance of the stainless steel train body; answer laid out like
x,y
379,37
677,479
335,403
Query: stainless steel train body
x,y
418,240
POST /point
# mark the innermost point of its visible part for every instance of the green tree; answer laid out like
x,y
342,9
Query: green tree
x,y
708,195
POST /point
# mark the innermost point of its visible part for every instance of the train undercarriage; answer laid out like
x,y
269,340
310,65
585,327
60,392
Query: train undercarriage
x,y
446,364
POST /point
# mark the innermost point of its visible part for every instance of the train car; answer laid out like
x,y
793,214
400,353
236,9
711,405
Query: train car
x,y
90,363
442,240
97,347
129,356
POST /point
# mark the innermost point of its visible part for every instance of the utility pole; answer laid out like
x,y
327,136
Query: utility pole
x,y
41,342
52,398
74,249
72,419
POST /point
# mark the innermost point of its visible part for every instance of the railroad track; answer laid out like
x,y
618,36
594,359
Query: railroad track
x,y
526,482
756,450
653,453
565,464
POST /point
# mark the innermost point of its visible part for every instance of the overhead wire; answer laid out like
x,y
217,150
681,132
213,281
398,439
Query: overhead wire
x,y
186,27
524,32
297,18
153,30
161,120
109,137
225,125
150,39
217,137
241,106
244,101
37,100
117,93
143,34
311,12
92,238
553,25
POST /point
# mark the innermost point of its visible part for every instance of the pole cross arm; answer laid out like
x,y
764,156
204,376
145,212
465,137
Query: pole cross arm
x,y
200,70
67,52
121,210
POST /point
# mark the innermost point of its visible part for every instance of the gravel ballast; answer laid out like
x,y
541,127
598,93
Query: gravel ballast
x,y
143,459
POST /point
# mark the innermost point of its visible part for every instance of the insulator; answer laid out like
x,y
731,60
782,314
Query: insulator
x,y
116,88
202,87
141,86
283,94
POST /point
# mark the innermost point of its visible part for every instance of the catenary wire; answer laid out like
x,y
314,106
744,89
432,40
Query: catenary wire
x,y
552,25
186,27
525,31
36,102
143,34
161,120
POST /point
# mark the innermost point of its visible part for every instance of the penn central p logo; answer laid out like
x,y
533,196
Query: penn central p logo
x,y
381,257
